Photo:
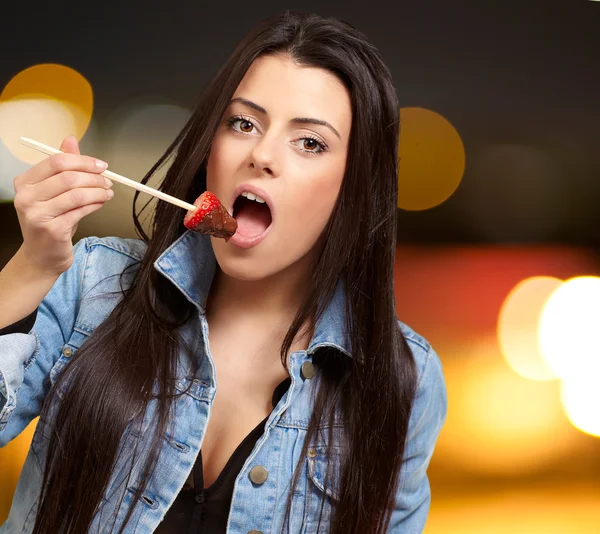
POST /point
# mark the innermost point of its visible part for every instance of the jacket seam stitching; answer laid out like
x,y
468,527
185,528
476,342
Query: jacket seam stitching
x,y
420,382
30,361
300,426
425,346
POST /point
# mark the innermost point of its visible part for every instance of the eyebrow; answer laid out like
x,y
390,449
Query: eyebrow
x,y
297,120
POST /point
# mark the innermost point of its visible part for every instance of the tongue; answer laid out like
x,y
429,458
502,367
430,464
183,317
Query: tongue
x,y
253,219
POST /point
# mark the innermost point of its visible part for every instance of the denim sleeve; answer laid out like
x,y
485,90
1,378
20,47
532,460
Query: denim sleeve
x,y
426,421
26,359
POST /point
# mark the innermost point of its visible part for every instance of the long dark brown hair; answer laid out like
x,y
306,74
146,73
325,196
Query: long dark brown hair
x,y
130,357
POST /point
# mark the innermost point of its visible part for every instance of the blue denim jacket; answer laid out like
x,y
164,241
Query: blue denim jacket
x,y
29,363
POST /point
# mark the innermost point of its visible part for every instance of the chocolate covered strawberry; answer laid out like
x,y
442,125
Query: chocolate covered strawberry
x,y
210,217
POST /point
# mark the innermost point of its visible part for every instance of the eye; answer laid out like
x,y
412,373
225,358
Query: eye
x,y
246,126
312,145
243,125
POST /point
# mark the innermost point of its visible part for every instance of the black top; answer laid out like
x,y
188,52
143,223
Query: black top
x,y
205,510
196,509
23,326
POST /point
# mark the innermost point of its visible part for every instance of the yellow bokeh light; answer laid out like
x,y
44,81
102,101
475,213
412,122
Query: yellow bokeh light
x,y
557,507
568,332
12,458
46,102
431,159
518,326
500,423
581,399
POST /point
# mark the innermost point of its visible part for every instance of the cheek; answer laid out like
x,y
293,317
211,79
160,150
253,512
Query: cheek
x,y
310,208
219,165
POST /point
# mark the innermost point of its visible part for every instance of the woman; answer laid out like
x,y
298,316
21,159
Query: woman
x,y
327,408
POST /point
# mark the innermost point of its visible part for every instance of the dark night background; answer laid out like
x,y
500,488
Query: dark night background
x,y
513,78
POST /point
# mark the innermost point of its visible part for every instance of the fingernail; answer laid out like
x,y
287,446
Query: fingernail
x,y
110,193
102,165
108,182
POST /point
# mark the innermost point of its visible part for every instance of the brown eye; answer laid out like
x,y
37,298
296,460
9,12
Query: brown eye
x,y
310,144
246,126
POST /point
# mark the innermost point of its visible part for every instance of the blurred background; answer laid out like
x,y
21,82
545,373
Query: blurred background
x,y
498,261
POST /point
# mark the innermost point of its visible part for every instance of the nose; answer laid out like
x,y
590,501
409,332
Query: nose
x,y
263,157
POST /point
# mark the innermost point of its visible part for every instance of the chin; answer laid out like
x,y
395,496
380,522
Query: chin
x,y
242,265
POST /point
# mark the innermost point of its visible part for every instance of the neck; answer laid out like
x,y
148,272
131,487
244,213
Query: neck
x,y
265,306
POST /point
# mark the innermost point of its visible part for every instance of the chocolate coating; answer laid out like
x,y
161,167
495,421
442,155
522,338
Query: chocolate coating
x,y
217,223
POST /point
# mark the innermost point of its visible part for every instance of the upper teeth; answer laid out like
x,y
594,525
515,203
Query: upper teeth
x,y
252,196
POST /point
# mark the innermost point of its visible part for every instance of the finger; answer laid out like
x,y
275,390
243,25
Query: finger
x,y
76,198
57,164
71,218
65,181
70,145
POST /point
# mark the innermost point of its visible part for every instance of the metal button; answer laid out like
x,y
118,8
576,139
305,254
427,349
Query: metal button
x,y
258,474
199,498
255,532
312,453
308,370
67,352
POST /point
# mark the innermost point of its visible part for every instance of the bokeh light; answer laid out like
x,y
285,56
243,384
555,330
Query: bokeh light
x,y
12,458
11,166
45,102
518,326
524,509
137,135
431,159
581,400
568,333
499,423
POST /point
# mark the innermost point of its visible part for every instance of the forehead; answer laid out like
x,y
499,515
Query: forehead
x,y
286,89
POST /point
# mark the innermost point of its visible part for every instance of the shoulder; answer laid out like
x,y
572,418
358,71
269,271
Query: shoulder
x,y
427,417
111,246
98,257
102,257
429,365
94,259
107,266
431,400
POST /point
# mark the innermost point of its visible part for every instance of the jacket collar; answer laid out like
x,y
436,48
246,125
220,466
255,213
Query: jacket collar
x,y
190,264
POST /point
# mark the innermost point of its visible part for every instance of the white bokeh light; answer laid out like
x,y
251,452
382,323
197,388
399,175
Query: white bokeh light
x,y
45,102
518,324
568,332
581,399
45,120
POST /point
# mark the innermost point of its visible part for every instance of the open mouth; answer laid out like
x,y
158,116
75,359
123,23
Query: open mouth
x,y
252,215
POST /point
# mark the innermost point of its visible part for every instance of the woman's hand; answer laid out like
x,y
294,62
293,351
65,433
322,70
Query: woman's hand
x,y
51,198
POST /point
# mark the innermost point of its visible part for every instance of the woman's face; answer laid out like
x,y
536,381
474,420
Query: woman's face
x,y
284,137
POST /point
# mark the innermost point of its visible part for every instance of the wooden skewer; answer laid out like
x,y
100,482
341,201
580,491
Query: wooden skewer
x,y
114,176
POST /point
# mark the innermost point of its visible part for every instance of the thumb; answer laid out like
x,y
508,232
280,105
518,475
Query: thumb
x,y
70,145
